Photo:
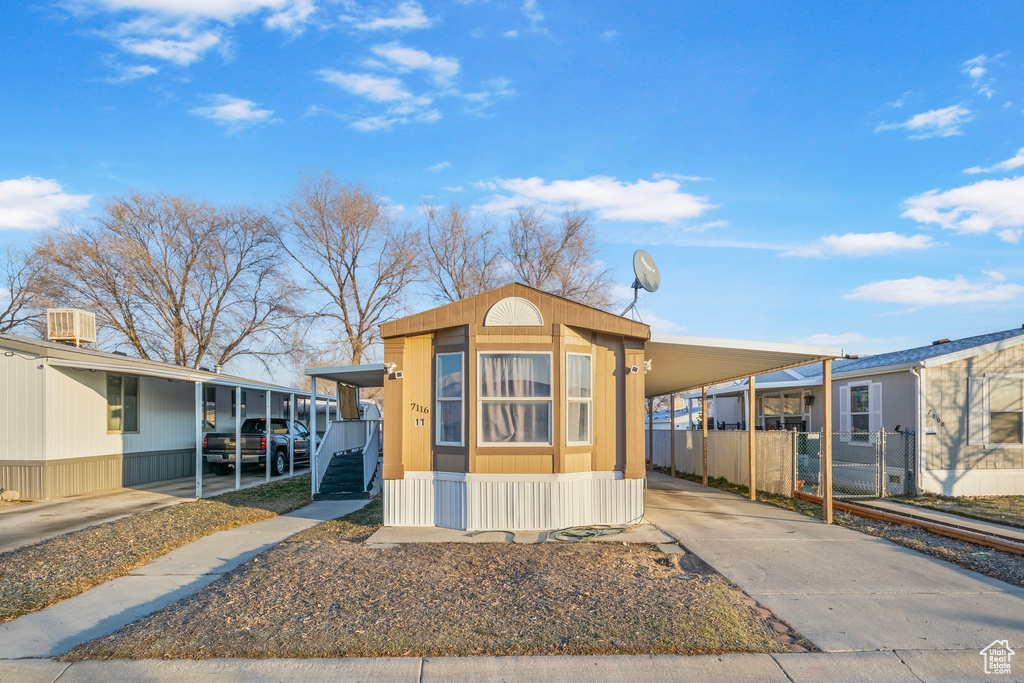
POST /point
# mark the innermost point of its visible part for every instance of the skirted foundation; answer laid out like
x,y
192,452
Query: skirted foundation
x,y
512,501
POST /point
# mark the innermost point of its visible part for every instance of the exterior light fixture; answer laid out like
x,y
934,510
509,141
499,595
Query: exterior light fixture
x,y
808,400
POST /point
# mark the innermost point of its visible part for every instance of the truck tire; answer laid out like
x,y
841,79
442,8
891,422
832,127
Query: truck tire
x,y
219,468
279,463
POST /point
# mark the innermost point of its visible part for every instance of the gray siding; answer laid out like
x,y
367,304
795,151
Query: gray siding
x,y
899,399
946,413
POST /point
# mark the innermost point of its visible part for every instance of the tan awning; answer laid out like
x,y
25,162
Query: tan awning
x,y
352,375
683,363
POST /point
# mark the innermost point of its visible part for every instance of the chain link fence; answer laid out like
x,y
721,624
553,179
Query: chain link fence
x,y
864,464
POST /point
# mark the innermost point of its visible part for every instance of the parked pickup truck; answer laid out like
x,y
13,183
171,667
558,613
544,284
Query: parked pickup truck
x,y
219,447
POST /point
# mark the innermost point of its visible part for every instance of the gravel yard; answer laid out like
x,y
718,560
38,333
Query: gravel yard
x,y
1007,510
35,576
9,504
324,593
982,559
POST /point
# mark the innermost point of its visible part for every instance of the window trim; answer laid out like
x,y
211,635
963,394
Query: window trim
x,y
989,376
579,399
762,417
138,402
480,400
449,399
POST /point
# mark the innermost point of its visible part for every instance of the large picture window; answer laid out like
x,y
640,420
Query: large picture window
x,y
449,394
122,403
515,399
579,398
996,411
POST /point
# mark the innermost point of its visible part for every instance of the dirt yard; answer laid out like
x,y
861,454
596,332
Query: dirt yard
x,y
1007,510
326,594
35,576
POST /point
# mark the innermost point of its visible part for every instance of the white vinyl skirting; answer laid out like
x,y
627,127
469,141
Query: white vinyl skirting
x,y
510,501
974,482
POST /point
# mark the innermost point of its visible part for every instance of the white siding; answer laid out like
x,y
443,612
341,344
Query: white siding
x,y
21,382
77,416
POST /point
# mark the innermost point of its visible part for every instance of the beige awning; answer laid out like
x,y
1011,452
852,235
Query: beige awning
x,y
682,363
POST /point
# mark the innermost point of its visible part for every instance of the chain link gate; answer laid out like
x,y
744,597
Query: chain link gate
x,y
864,464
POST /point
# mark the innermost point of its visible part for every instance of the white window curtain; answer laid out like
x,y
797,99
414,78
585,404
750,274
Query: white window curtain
x,y
579,395
515,398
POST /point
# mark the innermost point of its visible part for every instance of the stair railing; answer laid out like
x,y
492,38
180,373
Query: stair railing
x,y
341,435
371,454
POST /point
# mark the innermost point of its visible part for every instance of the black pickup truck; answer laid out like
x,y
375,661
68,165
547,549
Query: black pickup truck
x,y
219,447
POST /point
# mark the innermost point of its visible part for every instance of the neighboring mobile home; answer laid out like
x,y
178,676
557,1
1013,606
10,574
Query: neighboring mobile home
x,y
78,421
966,397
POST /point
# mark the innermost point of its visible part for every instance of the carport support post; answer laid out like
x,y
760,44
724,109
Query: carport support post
x,y
825,479
751,446
238,438
312,433
672,432
291,435
650,433
200,414
704,436
269,432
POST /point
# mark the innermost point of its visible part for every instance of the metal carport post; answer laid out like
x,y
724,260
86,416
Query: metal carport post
x,y
200,416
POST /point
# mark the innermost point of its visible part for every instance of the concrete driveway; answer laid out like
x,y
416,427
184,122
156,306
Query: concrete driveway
x,y
32,523
842,589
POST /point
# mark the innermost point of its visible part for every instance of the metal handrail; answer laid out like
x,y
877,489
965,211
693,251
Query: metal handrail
x,y
371,454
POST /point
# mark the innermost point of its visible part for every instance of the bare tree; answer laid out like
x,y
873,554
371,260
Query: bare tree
x,y
464,258
558,257
174,278
355,254
19,304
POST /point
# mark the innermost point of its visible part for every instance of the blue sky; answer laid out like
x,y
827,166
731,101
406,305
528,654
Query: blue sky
x,y
844,174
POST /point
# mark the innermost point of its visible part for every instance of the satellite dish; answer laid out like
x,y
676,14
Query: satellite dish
x,y
647,276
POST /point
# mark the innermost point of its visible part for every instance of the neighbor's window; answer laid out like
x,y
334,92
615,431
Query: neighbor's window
x,y
860,412
210,409
122,403
449,394
1006,410
579,398
515,399
233,406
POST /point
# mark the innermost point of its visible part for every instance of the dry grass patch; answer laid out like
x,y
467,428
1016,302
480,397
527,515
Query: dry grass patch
x,y
8,504
38,575
1008,510
323,593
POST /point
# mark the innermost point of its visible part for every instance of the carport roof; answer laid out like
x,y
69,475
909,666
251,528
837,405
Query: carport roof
x,y
371,375
682,363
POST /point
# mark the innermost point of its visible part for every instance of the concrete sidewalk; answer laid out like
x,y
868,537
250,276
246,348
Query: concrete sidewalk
x,y
165,580
40,521
876,667
842,589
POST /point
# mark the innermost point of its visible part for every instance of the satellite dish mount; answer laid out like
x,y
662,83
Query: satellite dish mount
x,y
647,276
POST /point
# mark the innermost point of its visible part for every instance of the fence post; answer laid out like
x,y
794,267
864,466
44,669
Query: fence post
x,y
796,458
881,463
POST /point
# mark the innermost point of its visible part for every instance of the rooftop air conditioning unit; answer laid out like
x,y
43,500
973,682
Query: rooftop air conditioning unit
x,y
70,325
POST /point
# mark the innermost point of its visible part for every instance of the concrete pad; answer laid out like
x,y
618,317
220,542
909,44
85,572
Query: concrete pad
x,y
609,669
671,549
838,667
954,666
166,580
31,670
939,621
378,670
644,533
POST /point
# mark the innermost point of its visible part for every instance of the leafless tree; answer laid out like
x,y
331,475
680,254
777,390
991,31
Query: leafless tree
x,y
464,257
19,304
356,256
174,278
559,256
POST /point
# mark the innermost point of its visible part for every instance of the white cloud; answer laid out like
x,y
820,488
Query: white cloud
x,y
440,167
660,201
610,35
32,203
224,10
458,188
510,34
976,69
373,88
862,244
658,324
994,275
126,74
404,59
407,16
846,339
973,209
293,18
926,291
182,51
372,123
1016,161
936,123
234,112
533,14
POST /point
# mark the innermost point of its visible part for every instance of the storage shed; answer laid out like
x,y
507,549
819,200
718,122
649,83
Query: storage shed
x,y
513,409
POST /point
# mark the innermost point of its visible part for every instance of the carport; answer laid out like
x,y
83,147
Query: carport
x,y
680,363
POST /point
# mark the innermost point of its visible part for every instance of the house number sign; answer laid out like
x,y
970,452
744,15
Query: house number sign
x,y
417,408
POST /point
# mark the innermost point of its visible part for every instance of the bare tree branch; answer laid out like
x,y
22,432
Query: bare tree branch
x,y
464,259
19,301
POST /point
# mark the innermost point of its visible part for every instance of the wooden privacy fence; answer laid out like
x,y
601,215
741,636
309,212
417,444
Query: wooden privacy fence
x,y
728,456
